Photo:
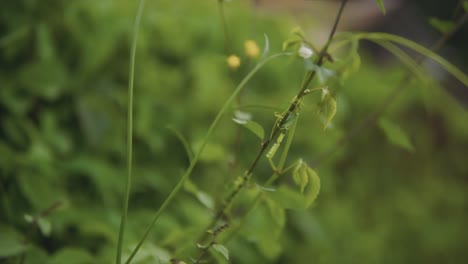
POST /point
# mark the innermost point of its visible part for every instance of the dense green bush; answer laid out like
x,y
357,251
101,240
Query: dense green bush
x,y
63,77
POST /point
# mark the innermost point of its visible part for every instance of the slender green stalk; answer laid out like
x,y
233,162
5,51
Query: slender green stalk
x,y
276,129
188,172
123,221
291,111
284,153
268,183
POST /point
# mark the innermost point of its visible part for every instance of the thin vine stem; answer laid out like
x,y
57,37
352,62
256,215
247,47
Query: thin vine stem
x,y
291,110
131,82
280,170
276,129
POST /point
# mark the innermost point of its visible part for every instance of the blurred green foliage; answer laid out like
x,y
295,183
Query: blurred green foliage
x,y
63,77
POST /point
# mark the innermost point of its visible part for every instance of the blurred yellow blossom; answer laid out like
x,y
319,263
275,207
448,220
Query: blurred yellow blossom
x,y
251,48
233,62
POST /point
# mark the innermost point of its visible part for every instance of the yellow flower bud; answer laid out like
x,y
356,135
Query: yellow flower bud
x,y
251,49
233,62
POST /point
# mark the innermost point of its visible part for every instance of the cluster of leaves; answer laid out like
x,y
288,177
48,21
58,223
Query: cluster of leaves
x,y
62,142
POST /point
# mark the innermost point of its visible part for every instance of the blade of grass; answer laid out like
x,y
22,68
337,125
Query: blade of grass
x,y
268,183
449,67
123,220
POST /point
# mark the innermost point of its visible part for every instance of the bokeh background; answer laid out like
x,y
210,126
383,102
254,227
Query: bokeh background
x,y
63,97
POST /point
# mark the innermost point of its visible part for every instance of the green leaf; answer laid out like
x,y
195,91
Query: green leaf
x,y
277,213
352,61
206,200
300,176
298,32
44,226
203,197
11,242
291,42
395,134
298,197
323,74
266,48
443,26
381,5
252,126
212,152
465,6
327,108
221,249
29,218
264,226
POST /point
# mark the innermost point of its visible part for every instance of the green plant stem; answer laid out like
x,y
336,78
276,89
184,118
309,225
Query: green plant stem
x,y
129,131
189,170
276,129
372,117
291,110
268,183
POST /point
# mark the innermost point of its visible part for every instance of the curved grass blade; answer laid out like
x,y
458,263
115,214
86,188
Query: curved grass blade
x,y
457,73
123,220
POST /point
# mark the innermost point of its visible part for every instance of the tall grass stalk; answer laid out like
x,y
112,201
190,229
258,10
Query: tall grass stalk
x,y
131,81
